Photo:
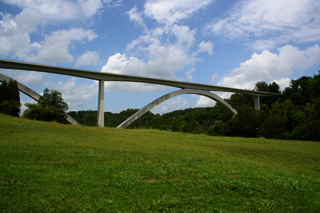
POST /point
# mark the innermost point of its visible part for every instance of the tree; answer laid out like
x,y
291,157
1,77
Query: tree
x,y
272,88
191,127
90,118
272,127
315,86
10,98
51,107
261,86
237,100
216,129
244,124
53,98
299,91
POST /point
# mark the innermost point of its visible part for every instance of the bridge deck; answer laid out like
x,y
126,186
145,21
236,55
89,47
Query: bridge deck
x,y
124,78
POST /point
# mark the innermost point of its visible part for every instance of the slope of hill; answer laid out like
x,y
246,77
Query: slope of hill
x,y
47,167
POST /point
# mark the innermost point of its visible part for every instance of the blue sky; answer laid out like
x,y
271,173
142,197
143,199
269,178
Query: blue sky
x,y
234,43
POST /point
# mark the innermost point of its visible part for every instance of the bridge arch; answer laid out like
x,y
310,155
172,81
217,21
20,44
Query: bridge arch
x,y
34,95
170,95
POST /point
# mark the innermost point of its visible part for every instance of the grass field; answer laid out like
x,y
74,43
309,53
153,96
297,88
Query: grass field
x,y
49,167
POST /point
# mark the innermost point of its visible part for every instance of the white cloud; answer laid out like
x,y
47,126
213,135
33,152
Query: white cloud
x,y
135,16
90,7
46,10
163,50
189,74
214,78
269,66
30,77
25,77
75,94
260,45
131,88
167,51
113,3
278,21
16,31
55,47
170,105
120,64
185,37
283,82
171,11
206,47
205,102
300,59
163,59
88,58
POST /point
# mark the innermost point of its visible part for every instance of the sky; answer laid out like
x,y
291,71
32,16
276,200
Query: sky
x,y
234,43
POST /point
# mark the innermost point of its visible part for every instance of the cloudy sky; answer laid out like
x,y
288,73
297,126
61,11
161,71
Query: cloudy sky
x,y
234,43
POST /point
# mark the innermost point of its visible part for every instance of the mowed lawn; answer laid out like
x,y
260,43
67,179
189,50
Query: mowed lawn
x,y
49,167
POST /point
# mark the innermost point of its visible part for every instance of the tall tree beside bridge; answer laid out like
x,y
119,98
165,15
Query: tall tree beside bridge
x,y
10,98
51,107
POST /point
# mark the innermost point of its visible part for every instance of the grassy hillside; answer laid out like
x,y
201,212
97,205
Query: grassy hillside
x,y
48,167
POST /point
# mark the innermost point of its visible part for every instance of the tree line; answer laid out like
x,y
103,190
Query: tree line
x,y
293,115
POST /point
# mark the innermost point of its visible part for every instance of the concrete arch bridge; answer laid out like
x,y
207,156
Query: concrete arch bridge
x,y
185,87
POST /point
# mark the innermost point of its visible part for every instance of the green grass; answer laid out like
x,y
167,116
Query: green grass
x,y
48,167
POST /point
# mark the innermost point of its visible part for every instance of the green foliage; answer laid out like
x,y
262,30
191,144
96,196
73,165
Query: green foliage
x,y
272,88
53,98
50,107
239,100
299,91
191,127
244,124
10,107
315,87
49,167
273,127
10,98
87,118
216,129
308,131
44,113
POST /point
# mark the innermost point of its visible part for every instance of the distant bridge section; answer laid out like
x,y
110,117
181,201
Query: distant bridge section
x,y
101,77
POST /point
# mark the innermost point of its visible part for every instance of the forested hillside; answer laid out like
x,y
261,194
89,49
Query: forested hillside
x,y
295,114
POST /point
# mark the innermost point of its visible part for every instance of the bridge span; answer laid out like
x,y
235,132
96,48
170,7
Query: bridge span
x,y
192,88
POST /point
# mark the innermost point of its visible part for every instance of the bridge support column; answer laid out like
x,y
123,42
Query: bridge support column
x,y
100,120
257,102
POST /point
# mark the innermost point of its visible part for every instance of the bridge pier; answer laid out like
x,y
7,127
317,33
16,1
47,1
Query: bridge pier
x,y
257,102
100,120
